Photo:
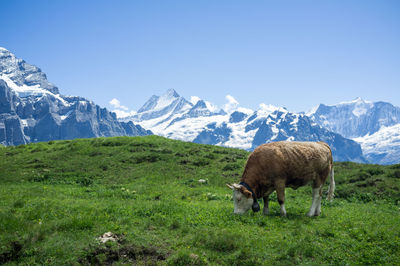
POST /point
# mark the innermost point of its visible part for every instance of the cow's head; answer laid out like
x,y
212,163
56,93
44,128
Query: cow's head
x,y
242,198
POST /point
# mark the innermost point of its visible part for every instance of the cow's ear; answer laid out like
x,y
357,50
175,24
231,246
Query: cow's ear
x,y
230,186
245,192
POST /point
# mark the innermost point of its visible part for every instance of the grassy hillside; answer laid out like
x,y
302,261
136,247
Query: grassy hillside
x,y
57,198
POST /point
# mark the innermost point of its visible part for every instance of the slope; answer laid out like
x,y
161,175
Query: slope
x,y
57,197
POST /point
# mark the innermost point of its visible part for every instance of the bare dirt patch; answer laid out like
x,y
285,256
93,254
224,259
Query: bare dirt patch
x,y
118,250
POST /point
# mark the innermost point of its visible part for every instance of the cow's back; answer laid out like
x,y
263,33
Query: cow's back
x,y
295,162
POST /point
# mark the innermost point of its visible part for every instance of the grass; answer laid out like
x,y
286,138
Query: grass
x,y
57,198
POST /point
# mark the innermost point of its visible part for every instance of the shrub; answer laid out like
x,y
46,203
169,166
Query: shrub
x,y
104,166
395,166
228,159
19,203
210,156
375,171
362,175
113,142
230,167
221,151
143,144
395,174
201,162
84,181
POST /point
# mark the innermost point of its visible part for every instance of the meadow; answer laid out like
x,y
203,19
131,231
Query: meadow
x,y
58,197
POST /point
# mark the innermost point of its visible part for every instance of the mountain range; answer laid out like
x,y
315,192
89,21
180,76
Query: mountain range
x,y
32,110
358,130
172,116
375,125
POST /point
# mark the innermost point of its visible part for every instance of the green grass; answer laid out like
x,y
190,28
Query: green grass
x,y
57,197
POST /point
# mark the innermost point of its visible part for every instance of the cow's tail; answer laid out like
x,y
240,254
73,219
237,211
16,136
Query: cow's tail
x,y
331,188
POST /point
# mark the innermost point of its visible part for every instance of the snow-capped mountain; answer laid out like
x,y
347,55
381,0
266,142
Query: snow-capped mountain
x,y
280,125
357,118
168,114
372,124
32,109
383,146
169,103
240,128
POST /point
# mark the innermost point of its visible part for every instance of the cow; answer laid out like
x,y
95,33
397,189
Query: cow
x,y
277,165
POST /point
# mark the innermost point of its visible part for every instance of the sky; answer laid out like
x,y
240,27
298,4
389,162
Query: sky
x,y
294,54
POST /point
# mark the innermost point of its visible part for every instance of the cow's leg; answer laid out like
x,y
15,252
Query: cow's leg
x,y
315,199
280,192
318,209
317,185
266,201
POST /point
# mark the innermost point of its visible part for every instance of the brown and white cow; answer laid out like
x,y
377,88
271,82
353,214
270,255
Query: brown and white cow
x,y
277,165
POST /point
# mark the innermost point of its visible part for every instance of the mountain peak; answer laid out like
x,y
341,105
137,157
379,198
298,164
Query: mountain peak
x,y
171,93
5,55
167,104
357,100
5,58
200,104
23,74
4,50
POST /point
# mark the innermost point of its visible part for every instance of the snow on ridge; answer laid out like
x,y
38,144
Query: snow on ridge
x,y
383,144
188,130
312,111
26,91
121,114
211,107
359,111
239,138
3,50
163,101
244,110
386,136
63,117
358,100
295,121
267,109
194,99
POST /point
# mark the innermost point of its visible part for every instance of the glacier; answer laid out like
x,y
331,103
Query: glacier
x,y
374,125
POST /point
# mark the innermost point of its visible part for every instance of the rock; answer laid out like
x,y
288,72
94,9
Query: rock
x,y
107,237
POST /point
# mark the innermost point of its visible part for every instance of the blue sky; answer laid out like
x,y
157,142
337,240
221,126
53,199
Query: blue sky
x,y
295,54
